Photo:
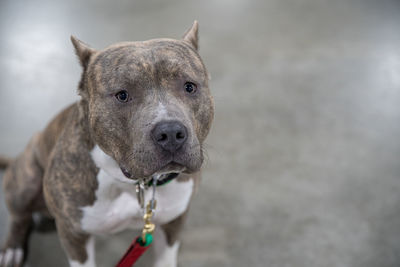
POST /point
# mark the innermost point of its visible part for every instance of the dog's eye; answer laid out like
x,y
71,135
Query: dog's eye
x,y
122,96
190,87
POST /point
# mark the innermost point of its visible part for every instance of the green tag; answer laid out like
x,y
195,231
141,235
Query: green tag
x,y
149,240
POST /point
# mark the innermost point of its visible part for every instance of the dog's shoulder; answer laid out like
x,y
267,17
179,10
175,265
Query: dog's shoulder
x,y
70,174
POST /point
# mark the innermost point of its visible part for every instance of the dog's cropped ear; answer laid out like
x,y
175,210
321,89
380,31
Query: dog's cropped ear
x,y
192,35
82,50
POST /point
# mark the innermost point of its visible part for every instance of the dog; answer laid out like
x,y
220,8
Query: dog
x,y
145,109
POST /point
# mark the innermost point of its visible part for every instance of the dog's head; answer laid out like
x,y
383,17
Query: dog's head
x,y
148,103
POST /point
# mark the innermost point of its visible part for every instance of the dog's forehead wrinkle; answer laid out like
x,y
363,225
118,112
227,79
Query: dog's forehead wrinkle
x,y
147,74
132,65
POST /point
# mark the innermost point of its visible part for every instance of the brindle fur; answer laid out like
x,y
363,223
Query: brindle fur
x,y
56,175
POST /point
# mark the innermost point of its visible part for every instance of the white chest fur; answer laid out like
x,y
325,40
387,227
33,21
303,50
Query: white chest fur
x,y
116,207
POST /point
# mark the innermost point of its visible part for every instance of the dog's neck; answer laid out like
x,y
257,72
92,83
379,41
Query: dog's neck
x,y
109,165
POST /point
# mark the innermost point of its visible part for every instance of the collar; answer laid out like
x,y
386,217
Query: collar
x,y
165,179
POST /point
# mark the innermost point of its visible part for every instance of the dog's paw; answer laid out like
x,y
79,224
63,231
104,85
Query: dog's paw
x,y
11,257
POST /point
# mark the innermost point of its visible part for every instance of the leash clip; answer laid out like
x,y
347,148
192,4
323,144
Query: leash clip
x,y
149,226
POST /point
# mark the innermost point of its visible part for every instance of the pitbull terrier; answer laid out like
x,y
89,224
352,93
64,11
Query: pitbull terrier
x,y
145,109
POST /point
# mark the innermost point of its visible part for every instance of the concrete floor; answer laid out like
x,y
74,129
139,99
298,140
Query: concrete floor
x,y
304,154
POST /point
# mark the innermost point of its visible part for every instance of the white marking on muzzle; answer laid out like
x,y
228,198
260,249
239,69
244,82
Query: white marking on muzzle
x,y
161,112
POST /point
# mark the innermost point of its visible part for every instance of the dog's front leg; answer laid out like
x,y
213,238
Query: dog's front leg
x,y
79,247
166,243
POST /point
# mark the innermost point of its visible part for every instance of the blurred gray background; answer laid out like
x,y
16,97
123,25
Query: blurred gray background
x,y
304,154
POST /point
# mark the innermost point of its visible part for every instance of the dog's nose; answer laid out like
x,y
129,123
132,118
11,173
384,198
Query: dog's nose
x,y
170,135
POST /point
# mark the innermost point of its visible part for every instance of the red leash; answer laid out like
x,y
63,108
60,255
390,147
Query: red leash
x,y
134,252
